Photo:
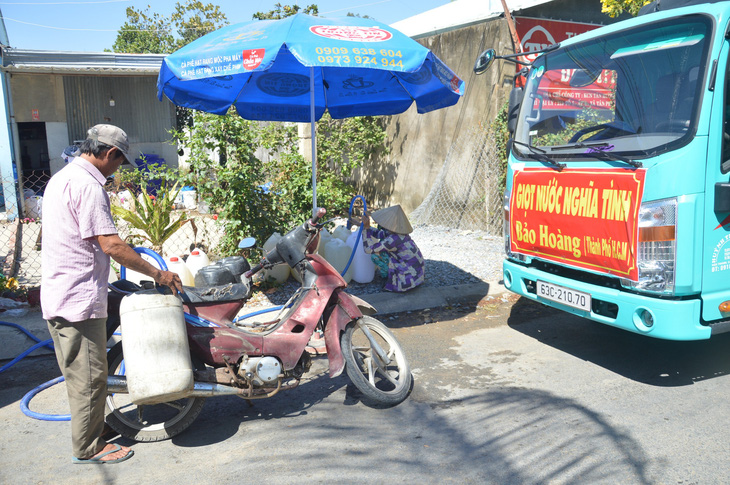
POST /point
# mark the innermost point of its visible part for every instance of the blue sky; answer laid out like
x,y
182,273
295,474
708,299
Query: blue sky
x,y
92,25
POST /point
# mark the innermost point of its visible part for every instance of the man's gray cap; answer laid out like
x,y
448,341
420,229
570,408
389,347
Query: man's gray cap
x,y
111,135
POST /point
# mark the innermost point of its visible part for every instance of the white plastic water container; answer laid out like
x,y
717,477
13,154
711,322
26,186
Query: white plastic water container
x,y
177,265
279,273
196,260
341,232
156,350
363,268
136,277
324,238
189,199
338,254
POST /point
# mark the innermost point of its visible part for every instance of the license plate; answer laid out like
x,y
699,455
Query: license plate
x,y
566,296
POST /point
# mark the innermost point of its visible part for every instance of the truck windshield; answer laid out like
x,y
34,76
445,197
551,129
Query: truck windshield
x,y
633,92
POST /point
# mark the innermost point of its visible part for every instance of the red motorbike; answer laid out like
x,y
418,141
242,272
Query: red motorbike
x,y
257,360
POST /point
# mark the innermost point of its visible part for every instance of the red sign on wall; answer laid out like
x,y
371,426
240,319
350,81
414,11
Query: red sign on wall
x,y
536,34
583,217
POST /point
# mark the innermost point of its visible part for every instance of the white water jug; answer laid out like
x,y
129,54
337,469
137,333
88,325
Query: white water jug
x,y
341,232
156,349
177,265
338,254
196,260
363,268
324,238
280,272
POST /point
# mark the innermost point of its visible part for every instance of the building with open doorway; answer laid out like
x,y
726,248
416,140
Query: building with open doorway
x,y
51,98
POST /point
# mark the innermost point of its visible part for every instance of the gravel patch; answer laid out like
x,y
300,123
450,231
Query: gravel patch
x,y
453,257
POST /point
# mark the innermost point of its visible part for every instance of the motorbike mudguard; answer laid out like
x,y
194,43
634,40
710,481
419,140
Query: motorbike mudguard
x,y
346,310
365,307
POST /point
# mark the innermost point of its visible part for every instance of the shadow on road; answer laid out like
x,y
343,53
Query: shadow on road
x,y
222,417
637,357
504,435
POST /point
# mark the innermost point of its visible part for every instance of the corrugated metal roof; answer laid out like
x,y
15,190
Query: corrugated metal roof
x,y
41,61
458,14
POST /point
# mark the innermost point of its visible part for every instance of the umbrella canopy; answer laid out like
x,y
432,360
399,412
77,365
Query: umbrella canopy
x,y
295,69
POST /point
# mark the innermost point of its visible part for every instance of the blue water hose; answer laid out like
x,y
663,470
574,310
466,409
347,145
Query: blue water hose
x,y
30,395
39,343
359,231
153,254
43,417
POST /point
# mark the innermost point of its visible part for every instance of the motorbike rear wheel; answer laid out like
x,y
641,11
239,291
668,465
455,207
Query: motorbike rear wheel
x,y
156,422
386,381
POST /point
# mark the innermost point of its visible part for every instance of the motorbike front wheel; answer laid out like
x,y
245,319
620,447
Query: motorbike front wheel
x,y
154,422
375,361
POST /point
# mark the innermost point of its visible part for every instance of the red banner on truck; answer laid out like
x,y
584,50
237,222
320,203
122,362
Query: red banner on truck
x,y
583,217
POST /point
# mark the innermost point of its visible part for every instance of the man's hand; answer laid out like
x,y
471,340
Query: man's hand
x,y
120,251
168,278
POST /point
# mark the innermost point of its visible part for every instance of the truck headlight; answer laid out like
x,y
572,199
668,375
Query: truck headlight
x,y
657,247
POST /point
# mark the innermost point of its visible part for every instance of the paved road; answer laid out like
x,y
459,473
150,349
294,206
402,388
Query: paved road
x,y
508,393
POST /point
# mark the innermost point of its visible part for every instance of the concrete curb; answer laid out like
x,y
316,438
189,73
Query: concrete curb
x,y
431,297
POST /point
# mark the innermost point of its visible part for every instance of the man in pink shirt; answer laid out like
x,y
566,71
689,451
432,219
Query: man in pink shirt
x,y
79,237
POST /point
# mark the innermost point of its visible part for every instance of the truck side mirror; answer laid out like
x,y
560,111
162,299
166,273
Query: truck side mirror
x,y
515,100
484,60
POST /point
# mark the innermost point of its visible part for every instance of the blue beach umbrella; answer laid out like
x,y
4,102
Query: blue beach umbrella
x,y
295,69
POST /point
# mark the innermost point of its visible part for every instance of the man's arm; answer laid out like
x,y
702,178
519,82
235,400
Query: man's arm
x,y
120,251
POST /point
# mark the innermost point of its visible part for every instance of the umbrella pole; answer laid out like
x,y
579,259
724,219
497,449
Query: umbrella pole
x,y
314,141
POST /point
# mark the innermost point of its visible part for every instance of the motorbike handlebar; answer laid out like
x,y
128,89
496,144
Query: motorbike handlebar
x,y
318,214
248,274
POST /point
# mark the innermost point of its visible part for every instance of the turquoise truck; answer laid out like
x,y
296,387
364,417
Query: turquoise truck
x,y
617,202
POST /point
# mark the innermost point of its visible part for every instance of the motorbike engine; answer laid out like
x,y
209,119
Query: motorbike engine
x,y
261,371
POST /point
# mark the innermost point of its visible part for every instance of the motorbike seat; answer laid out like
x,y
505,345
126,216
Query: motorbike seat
x,y
124,287
221,293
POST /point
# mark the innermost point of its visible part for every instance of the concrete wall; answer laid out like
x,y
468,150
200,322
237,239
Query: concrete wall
x,y
419,143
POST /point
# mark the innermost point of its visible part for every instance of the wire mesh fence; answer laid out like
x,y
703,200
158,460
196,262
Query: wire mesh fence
x,y
21,235
467,193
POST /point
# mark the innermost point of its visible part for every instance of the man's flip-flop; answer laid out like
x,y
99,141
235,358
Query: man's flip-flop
x,y
97,460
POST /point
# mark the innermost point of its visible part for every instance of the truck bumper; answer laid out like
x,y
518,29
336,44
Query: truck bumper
x,y
672,319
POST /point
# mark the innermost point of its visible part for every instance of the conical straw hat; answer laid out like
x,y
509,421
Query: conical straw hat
x,y
393,219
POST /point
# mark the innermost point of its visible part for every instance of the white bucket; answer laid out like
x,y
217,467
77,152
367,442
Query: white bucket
x,y
189,199
363,268
156,350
